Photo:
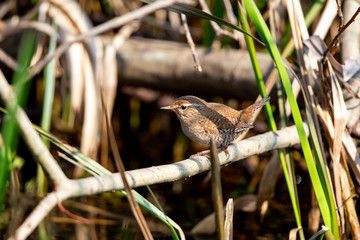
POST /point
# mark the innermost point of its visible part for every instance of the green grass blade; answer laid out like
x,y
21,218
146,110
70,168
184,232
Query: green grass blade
x,y
45,123
289,174
167,220
49,77
320,187
190,11
258,75
9,130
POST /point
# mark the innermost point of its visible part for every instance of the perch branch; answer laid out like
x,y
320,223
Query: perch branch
x,y
159,174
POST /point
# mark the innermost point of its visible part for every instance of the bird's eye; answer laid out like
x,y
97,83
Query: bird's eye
x,y
183,107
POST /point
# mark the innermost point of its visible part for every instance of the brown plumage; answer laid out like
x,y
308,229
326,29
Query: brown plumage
x,y
201,120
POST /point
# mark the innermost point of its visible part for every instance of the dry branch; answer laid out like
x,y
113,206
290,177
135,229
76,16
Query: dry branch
x,y
169,66
192,166
158,174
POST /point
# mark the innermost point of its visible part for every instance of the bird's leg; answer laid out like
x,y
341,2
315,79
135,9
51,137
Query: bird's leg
x,y
206,153
226,152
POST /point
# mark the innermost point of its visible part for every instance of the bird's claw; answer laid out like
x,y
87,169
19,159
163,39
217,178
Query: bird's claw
x,y
206,153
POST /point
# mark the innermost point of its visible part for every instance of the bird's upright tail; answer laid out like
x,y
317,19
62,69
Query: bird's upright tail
x,y
248,114
261,103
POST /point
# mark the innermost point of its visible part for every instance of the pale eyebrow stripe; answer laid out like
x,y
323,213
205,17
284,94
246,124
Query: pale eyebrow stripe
x,y
192,104
188,104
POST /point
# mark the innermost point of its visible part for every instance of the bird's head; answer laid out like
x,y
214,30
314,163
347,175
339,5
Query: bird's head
x,y
187,107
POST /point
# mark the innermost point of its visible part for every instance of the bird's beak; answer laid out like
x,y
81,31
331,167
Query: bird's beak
x,y
167,107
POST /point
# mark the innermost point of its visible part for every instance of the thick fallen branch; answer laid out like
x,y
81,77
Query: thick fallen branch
x,y
169,66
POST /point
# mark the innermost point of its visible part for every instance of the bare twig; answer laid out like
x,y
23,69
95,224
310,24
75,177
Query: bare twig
x,y
229,12
72,215
340,15
233,20
38,26
218,30
191,43
195,31
6,7
34,11
341,25
39,213
337,37
8,60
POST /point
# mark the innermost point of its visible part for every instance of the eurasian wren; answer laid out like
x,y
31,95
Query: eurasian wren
x,y
201,120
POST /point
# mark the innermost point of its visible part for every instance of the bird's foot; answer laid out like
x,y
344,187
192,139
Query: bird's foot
x,y
226,153
206,153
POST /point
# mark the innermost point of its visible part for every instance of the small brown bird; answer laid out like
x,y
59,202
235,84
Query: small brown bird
x,y
201,120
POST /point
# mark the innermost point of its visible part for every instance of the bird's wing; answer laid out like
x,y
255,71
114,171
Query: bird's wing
x,y
229,119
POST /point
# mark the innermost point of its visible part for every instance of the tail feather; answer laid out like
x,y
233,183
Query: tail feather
x,y
247,115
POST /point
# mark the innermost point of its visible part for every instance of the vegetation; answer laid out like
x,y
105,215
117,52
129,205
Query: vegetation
x,y
85,148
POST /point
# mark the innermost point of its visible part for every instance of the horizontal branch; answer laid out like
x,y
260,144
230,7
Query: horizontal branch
x,y
189,167
158,174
